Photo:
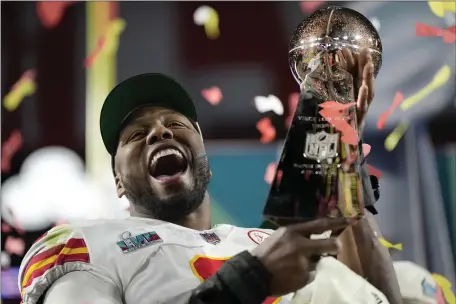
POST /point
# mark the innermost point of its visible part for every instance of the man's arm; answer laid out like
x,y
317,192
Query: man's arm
x,y
242,279
82,287
376,262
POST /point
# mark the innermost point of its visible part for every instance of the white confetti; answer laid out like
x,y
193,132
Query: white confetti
x,y
5,260
202,15
269,103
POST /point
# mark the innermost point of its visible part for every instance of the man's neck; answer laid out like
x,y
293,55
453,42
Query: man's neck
x,y
200,219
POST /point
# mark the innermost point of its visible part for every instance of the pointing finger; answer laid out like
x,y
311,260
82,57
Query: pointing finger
x,y
350,60
319,247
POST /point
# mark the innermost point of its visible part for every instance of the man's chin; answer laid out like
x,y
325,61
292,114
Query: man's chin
x,y
168,186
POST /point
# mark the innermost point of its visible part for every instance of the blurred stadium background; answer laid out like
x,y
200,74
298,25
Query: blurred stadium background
x,y
60,59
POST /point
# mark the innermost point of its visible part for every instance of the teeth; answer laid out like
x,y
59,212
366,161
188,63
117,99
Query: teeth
x,y
165,153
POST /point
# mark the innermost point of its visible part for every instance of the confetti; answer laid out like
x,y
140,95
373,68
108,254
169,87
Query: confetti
x,y
445,285
208,17
398,98
109,43
10,148
267,130
14,246
332,112
389,245
374,171
439,8
395,136
268,103
366,149
424,30
440,78
213,95
6,228
270,172
24,87
51,13
293,100
310,6
5,260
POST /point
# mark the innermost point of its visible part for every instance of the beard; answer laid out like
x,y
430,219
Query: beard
x,y
176,206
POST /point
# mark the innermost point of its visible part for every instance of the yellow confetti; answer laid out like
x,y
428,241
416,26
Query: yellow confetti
x,y
112,36
440,78
395,136
389,245
24,87
439,8
209,18
445,285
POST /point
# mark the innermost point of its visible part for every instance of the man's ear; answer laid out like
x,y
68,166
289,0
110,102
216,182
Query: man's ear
x,y
119,186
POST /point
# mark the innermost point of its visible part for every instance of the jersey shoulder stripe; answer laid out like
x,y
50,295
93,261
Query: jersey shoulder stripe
x,y
58,246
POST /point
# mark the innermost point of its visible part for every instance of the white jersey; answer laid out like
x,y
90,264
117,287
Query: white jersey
x,y
149,261
417,284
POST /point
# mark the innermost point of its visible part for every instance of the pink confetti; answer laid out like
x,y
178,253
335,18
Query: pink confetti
x,y
424,30
374,171
14,246
10,148
6,228
332,112
398,98
95,53
213,95
293,100
51,13
267,130
270,173
310,6
366,149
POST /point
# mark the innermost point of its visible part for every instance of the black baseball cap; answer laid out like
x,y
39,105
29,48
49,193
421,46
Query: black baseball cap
x,y
152,89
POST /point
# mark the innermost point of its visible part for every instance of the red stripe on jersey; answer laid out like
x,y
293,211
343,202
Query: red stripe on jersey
x,y
62,259
44,255
75,243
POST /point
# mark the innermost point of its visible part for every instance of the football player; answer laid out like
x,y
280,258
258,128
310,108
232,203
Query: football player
x,y
167,251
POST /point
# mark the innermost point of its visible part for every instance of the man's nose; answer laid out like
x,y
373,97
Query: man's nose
x,y
158,133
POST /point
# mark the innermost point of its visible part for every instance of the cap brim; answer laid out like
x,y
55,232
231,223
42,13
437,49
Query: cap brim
x,y
141,90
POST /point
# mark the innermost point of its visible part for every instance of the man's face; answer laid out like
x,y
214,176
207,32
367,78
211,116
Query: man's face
x,y
161,164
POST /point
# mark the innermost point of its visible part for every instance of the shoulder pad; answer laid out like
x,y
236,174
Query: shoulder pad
x,y
59,251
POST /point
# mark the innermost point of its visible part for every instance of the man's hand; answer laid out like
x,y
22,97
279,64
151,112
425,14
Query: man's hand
x,y
362,69
287,254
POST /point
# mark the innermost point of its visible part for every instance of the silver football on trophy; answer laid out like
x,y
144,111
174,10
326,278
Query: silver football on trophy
x,y
329,30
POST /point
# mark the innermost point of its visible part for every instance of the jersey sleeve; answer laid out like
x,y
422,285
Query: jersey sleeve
x,y
59,251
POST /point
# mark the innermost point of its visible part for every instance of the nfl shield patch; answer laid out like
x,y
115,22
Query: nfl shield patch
x,y
210,237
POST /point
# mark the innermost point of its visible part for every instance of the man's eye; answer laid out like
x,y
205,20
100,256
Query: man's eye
x,y
175,124
136,135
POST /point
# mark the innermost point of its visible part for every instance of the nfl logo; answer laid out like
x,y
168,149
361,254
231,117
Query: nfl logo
x,y
210,237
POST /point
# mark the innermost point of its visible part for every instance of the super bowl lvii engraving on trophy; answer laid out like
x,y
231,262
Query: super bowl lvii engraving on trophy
x,y
318,171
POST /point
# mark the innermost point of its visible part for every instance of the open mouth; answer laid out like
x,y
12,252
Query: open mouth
x,y
167,163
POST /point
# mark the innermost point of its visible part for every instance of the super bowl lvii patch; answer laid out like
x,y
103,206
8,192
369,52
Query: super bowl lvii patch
x,y
129,243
